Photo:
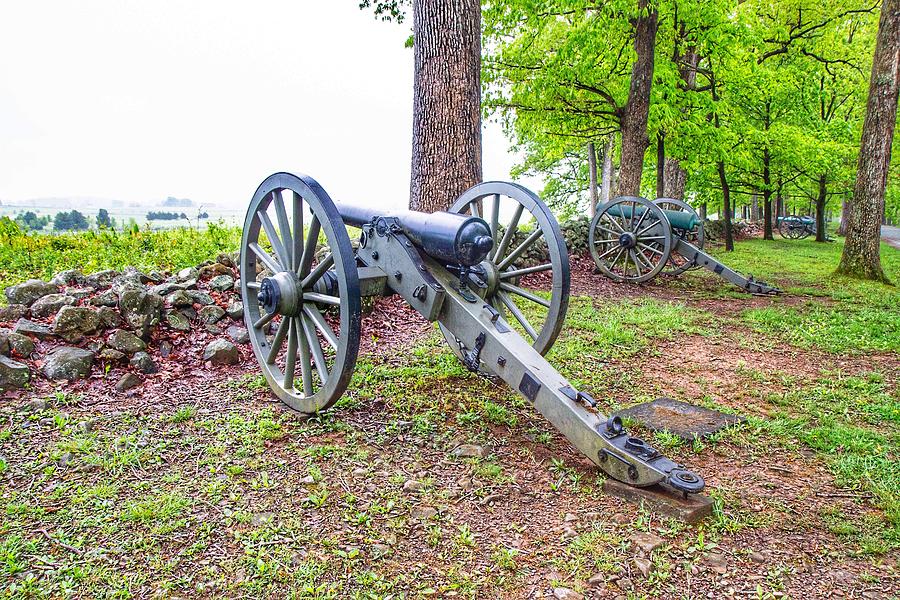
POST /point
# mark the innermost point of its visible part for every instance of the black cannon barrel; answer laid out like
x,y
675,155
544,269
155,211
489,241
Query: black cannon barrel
x,y
454,238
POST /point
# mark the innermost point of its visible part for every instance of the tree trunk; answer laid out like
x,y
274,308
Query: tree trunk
x,y
446,153
703,211
767,196
820,208
660,164
606,184
637,109
754,207
726,206
862,249
675,179
845,214
592,168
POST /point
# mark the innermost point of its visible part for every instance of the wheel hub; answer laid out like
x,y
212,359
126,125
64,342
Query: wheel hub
x,y
280,294
490,276
627,240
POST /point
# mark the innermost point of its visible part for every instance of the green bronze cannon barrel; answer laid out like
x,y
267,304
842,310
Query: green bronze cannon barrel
x,y
677,219
452,238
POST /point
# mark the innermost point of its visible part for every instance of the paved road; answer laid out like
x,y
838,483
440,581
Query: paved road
x,y
891,235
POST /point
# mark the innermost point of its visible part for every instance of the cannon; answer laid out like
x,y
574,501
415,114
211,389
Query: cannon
x,y
302,282
796,228
633,239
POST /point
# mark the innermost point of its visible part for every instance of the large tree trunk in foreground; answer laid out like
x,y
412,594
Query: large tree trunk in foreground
x,y
634,116
820,208
446,153
862,251
726,206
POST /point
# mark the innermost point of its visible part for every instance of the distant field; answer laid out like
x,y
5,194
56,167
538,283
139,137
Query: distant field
x,y
124,215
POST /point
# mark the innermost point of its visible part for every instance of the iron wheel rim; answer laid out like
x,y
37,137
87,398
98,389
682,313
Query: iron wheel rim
x,y
630,230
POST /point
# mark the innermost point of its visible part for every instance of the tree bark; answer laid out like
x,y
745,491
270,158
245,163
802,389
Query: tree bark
x,y
660,164
767,196
446,153
726,205
675,179
637,109
862,248
845,214
820,208
606,184
592,168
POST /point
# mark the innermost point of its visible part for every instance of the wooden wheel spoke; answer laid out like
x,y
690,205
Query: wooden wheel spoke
x,y
298,231
641,220
650,248
290,359
508,302
509,233
284,227
525,294
266,259
263,320
321,298
277,246
637,254
305,358
309,330
610,251
647,228
609,231
317,272
495,217
525,271
277,343
309,249
520,248
319,321
615,222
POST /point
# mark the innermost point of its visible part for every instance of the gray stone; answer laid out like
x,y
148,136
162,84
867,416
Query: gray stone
x,y
468,451
35,405
105,298
110,355
179,298
187,274
685,420
15,344
50,304
125,341
211,314
69,363
177,321
165,348
164,289
201,298
13,374
101,279
128,381
213,270
30,328
235,310
79,293
413,486
26,293
143,363
12,312
647,542
239,335
221,352
141,310
221,283
72,323
69,278
642,565
109,318
229,259
213,329
564,593
423,513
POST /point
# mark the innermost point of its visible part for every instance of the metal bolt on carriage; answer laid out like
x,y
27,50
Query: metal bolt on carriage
x,y
460,268
633,239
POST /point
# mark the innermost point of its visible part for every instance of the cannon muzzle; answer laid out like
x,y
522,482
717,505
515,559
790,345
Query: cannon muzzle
x,y
449,237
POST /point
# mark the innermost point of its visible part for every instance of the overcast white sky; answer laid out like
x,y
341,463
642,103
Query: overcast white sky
x,y
139,100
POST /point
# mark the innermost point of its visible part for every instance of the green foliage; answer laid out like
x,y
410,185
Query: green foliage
x,y
26,255
103,219
29,220
70,221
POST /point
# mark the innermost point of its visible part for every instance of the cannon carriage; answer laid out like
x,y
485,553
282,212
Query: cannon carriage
x,y
633,239
458,268
796,227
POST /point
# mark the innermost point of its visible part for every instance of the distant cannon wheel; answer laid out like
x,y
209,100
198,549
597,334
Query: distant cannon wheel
x,y
535,315
310,298
792,229
630,239
678,264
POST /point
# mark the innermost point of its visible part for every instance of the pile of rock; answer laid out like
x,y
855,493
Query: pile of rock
x,y
61,329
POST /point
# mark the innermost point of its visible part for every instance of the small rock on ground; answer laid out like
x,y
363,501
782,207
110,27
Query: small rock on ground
x,y
50,304
67,362
128,381
564,593
221,352
30,328
642,565
144,363
221,283
647,542
125,341
468,451
211,314
13,374
26,293
239,335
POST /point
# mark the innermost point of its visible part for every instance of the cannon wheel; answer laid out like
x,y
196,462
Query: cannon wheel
x,y
792,229
312,297
678,264
630,239
491,200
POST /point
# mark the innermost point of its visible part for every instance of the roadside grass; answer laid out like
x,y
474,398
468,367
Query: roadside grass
x,y
26,255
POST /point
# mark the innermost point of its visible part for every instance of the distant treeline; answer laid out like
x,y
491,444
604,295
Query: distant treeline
x,y
164,216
